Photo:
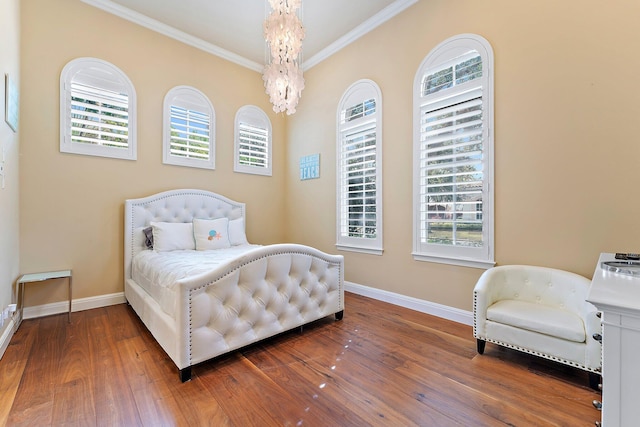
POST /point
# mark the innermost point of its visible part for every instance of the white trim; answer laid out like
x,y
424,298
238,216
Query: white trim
x,y
370,24
473,263
361,249
5,339
423,306
357,93
137,18
451,48
166,30
190,98
76,305
103,76
255,116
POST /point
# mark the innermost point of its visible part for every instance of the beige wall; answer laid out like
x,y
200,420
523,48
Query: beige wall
x,y
71,206
565,111
567,157
9,196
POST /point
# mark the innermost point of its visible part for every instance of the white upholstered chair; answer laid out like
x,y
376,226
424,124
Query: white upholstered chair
x,y
541,311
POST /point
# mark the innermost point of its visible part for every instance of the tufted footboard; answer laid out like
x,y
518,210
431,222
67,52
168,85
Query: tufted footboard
x,y
267,291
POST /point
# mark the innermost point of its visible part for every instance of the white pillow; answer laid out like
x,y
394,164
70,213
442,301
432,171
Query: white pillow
x,y
237,235
211,233
172,236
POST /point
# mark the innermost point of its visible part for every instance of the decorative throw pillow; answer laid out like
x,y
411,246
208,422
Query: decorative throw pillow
x,y
237,235
172,236
211,233
148,237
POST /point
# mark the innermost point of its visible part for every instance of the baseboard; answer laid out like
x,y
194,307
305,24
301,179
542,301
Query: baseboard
x,y
423,306
57,308
7,334
79,304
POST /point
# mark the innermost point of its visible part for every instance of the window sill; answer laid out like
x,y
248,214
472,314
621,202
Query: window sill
x,y
370,251
473,263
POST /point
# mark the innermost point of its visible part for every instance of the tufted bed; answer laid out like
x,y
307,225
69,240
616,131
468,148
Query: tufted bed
x,y
215,293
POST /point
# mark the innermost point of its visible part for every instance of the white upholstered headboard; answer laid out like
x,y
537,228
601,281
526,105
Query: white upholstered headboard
x,y
171,206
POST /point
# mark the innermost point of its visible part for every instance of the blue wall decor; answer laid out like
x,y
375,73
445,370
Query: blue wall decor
x,y
310,167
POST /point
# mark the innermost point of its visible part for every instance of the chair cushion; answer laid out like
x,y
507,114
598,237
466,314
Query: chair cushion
x,y
538,318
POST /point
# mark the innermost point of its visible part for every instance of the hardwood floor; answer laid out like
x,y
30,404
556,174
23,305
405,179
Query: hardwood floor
x,y
380,365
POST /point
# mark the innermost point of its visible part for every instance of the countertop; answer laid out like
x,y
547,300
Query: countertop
x,y
614,291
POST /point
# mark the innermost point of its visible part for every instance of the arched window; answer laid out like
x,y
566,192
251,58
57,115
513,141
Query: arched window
x,y
252,141
188,129
453,154
97,110
359,169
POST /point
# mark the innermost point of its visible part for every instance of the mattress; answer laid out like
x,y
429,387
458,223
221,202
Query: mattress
x,y
158,272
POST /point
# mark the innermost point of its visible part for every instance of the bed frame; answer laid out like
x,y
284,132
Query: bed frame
x,y
267,291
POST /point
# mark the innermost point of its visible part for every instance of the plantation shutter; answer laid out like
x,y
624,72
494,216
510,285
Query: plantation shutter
x,y
97,110
359,186
253,149
190,130
451,171
453,209
99,116
359,169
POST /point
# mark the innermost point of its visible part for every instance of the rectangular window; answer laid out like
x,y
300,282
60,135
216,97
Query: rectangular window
x,y
189,133
361,110
253,147
359,187
99,116
460,70
451,178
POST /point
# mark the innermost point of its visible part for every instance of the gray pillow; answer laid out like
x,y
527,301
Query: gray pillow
x,y
148,237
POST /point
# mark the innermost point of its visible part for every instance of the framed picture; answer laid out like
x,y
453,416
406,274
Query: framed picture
x,y
11,103
310,167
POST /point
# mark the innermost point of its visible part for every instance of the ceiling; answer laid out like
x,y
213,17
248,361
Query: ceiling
x,y
232,29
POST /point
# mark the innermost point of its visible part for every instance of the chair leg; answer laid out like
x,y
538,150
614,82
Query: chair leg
x,y
594,381
481,344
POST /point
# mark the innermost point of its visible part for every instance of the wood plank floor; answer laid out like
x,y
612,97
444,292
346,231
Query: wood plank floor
x,y
381,365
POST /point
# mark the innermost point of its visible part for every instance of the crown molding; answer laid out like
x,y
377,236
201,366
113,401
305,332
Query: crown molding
x,y
137,18
154,25
370,24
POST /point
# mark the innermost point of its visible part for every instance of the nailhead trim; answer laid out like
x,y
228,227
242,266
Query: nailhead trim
x,y
543,355
238,267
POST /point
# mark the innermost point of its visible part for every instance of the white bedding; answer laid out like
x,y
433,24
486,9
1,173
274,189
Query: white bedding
x,y
158,272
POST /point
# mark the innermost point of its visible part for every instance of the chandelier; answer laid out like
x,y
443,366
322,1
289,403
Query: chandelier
x,y
282,76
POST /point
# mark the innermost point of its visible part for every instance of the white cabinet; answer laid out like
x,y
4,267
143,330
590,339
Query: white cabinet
x,y
617,295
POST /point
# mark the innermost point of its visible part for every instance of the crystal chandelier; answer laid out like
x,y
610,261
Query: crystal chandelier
x,y
282,76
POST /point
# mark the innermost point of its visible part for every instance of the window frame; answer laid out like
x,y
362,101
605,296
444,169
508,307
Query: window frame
x,y
191,99
258,118
103,75
357,93
441,56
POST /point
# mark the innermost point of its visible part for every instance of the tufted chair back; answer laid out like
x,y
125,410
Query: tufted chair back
x,y
541,285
